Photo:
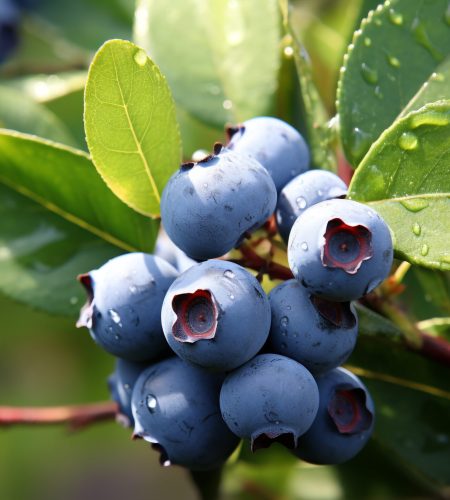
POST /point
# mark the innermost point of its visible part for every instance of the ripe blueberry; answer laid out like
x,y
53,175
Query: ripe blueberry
x,y
121,383
176,407
316,332
344,422
301,192
209,206
340,249
216,315
124,304
275,144
270,399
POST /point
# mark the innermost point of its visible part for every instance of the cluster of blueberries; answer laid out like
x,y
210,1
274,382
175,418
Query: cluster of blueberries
x,y
10,15
205,357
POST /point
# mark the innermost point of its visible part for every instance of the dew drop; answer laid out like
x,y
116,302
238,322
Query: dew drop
x,y
73,300
231,296
301,202
319,192
117,336
370,75
114,316
377,21
408,141
133,289
205,185
395,17
227,104
229,274
151,403
393,61
288,308
367,41
304,246
416,229
140,58
438,77
288,51
167,463
425,249
360,142
199,155
110,329
378,92
415,204
284,321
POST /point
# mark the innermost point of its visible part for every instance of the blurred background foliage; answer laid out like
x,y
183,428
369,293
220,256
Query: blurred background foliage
x,y
44,360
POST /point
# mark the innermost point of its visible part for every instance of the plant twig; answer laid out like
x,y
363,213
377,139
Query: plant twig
x,y
75,416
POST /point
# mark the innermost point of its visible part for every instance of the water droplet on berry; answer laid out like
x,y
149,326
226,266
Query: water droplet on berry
x,y
229,274
117,336
304,246
301,202
284,321
231,296
115,316
133,289
152,403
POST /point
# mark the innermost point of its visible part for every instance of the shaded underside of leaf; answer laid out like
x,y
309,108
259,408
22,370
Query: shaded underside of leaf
x,y
394,53
130,124
223,65
406,177
64,181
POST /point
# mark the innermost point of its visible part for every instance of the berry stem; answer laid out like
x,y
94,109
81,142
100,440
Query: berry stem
x,y
75,416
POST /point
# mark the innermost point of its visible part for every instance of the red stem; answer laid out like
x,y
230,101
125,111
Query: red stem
x,y
75,416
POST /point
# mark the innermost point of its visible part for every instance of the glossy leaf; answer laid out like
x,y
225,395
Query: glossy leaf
x,y
405,177
64,181
220,57
41,254
21,113
393,54
319,135
130,125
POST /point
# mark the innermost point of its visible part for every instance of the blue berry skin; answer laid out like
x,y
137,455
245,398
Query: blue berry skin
x,y
273,143
301,192
344,422
176,407
125,296
168,251
317,333
216,315
121,383
208,207
340,249
9,27
271,398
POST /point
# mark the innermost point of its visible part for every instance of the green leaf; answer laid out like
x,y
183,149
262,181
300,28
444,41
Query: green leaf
x,y
319,135
405,177
64,181
19,112
371,323
41,254
130,125
221,57
393,54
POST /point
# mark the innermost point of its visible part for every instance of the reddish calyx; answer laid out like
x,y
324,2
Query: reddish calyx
x,y
348,411
337,313
197,316
346,247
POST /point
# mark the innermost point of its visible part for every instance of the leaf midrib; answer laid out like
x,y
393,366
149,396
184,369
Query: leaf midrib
x,y
404,198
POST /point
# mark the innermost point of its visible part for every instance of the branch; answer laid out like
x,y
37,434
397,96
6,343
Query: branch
x,y
75,416
254,261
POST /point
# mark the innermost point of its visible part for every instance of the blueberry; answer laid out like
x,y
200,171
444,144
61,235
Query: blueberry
x,y
125,296
9,28
344,422
208,207
340,249
216,315
301,192
176,408
271,398
121,383
275,144
168,251
316,332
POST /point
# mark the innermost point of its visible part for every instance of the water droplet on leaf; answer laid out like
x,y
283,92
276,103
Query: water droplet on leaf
x,y
408,141
140,58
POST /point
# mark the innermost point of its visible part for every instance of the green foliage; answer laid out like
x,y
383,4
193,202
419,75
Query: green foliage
x,y
221,58
130,125
405,177
394,53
